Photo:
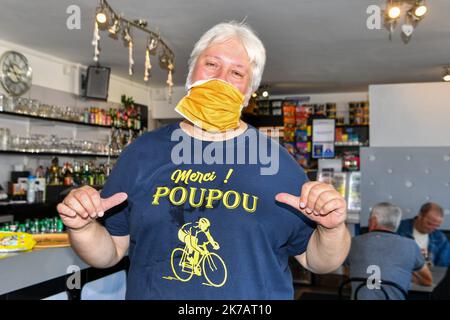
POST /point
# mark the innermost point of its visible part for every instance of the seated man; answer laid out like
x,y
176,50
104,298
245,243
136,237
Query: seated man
x,y
383,255
423,228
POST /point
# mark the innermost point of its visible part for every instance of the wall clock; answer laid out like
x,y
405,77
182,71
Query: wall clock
x,y
15,73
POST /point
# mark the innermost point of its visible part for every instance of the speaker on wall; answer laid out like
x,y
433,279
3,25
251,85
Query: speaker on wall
x,y
96,82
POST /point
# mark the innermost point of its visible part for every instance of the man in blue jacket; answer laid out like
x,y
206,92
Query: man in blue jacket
x,y
423,228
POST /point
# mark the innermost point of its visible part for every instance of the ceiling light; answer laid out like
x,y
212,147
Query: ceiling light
x,y
254,95
394,12
420,9
265,94
101,16
446,76
114,29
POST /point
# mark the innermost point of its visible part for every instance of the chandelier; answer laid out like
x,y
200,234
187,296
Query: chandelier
x,y
413,12
106,19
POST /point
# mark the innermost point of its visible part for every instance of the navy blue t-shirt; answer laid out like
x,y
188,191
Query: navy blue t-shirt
x,y
199,230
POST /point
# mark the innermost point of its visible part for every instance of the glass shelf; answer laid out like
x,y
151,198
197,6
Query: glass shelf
x,y
29,116
91,155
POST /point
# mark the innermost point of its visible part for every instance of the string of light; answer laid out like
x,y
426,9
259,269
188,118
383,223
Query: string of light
x,y
415,11
106,18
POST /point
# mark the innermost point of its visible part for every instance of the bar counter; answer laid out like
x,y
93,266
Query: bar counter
x,y
42,273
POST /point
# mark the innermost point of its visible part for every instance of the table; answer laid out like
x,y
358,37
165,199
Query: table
x,y
438,274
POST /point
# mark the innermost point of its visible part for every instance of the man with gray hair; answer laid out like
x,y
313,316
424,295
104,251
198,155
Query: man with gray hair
x,y
381,254
423,229
215,230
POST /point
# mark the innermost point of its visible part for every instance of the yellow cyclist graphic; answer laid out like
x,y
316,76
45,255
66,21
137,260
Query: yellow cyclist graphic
x,y
195,257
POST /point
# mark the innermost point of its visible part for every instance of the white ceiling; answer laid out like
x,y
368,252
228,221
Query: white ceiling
x,y
312,45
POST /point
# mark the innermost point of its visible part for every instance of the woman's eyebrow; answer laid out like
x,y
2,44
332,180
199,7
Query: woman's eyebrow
x,y
215,57
237,65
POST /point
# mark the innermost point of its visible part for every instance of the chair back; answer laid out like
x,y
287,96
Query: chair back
x,y
363,282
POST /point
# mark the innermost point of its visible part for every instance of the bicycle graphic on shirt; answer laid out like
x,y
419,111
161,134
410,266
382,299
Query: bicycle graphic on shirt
x,y
195,257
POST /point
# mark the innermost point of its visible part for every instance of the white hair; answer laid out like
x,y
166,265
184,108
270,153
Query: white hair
x,y
252,44
388,215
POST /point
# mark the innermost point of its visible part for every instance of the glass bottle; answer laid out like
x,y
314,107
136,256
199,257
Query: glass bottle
x,y
68,175
76,174
54,174
100,175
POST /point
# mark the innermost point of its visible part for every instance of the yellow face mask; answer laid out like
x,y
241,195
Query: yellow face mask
x,y
213,105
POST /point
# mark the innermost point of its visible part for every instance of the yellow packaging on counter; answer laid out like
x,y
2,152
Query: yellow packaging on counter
x,y
15,241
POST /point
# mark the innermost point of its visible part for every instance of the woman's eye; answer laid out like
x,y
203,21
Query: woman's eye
x,y
238,74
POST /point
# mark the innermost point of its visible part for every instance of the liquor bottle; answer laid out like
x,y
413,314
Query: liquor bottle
x,y
84,174
76,174
55,177
68,176
138,122
100,177
107,170
87,177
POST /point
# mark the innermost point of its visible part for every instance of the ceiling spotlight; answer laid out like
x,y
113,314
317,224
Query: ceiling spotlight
x,y
394,11
254,95
114,29
446,76
419,9
265,94
101,16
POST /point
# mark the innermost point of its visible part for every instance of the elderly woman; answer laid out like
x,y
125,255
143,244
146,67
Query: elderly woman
x,y
244,221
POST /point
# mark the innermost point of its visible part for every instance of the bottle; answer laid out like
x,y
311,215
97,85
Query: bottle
x,y
108,118
54,174
31,190
138,122
91,116
83,176
88,178
39,194
107,170
100,175
76,177
91,174
68,178
40,172
86,115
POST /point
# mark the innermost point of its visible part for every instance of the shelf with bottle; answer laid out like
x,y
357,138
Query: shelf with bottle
x,y
47,184
125,117
34,226
76,174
